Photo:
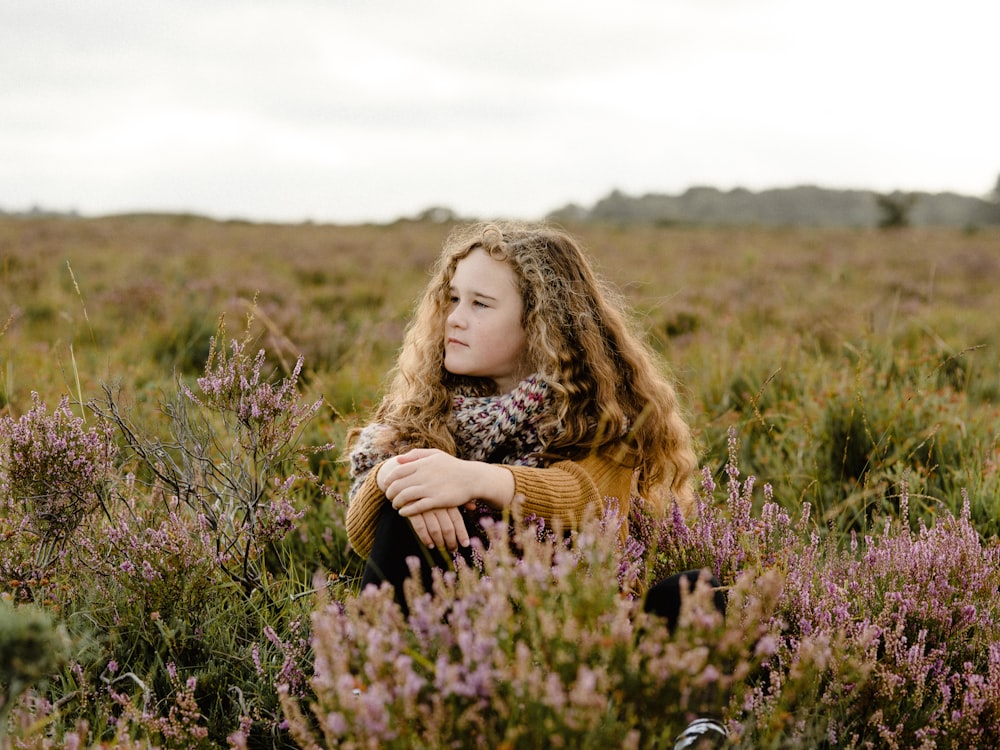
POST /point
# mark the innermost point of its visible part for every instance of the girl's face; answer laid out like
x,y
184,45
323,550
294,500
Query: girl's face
x,y
483,333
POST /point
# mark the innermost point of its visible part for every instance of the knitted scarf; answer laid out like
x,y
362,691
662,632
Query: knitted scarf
x,y
497,429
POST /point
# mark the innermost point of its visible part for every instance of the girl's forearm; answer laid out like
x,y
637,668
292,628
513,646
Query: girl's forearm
x,y
493,484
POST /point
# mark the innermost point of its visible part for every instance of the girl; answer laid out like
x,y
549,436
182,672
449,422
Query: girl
x,y
520,383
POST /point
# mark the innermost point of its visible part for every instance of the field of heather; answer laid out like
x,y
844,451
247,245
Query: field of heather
x,y
175,574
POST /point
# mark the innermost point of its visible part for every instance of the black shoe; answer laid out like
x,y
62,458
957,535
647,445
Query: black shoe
x,y
702,733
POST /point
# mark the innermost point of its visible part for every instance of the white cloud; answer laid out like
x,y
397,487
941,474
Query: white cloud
x,y
367,110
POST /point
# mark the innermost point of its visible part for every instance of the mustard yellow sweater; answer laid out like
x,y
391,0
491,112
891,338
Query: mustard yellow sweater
x,y
561,494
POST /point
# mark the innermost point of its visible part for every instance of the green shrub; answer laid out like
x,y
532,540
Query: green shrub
x,y
33,648
860,429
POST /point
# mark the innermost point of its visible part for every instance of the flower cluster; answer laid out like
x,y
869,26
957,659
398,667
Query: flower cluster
x,y
178,724
235,457
185,566
269,415
537,647
917,612
905,620
726,539
55,467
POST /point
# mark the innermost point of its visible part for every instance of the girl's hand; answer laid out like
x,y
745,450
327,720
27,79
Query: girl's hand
x,y
431,477
443,527
427,479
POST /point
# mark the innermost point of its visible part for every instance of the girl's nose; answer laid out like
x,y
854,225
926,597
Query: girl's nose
x,y
456,318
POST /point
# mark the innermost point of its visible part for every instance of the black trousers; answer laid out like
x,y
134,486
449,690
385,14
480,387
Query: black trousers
x,y
664,597
395,541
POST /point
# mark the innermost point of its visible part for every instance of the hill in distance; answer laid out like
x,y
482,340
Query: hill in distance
x,y
797,206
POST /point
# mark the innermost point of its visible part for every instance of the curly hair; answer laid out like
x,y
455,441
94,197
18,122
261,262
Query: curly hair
x,y
610,391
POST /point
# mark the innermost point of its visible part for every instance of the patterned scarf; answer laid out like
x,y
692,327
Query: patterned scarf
x,y
501,429
496,429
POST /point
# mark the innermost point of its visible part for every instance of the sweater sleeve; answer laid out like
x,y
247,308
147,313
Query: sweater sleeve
x,y
363,513
566,491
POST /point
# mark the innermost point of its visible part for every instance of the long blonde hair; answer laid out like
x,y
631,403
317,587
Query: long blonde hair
x,y
610,392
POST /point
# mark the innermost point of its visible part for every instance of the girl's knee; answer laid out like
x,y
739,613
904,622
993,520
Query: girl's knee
x,y
664,598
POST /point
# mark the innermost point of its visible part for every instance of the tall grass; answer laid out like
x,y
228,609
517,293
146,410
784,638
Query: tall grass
x,y
173,531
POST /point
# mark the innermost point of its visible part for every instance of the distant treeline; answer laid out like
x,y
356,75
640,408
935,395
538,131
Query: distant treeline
x,y
806,205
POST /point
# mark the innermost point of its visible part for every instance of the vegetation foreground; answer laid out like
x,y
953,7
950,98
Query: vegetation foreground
x,y
174,572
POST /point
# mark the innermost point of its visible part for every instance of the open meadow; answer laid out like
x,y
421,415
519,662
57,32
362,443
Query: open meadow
x,y
160,547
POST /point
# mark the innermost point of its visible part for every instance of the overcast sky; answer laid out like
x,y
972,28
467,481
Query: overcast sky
x,y
367,110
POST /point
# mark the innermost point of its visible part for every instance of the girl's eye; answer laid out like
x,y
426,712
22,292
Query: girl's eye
x,y
477,303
